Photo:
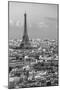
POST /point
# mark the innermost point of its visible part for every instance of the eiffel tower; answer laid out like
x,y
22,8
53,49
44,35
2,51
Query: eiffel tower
x,y
25,44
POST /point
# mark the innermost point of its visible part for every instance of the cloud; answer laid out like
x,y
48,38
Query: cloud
x,y
42,25
18,23
11,22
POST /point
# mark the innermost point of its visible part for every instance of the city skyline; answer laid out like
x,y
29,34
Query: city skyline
x,y
40,24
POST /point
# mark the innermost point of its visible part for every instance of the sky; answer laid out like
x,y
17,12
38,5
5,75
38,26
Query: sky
x,y
41,20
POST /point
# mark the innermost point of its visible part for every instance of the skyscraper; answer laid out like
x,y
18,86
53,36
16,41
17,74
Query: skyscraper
x,y
25,44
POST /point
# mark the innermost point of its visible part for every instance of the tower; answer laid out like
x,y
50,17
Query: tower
x,y
25,44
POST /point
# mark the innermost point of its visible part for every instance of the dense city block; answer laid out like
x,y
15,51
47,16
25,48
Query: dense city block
x,y
33,67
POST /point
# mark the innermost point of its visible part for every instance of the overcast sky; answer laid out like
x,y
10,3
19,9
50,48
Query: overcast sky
x,y
41,20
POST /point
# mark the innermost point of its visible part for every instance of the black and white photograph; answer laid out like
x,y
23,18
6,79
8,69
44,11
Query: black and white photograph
x,y
33,44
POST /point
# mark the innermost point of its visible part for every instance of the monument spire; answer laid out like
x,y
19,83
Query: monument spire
x,y
25,40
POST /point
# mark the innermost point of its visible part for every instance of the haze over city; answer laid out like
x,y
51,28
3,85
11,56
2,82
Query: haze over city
x,y
41,20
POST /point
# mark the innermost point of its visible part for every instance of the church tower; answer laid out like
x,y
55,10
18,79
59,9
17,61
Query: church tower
x,y
25,44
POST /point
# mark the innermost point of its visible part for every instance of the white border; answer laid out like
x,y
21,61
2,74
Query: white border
x,y
4,42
